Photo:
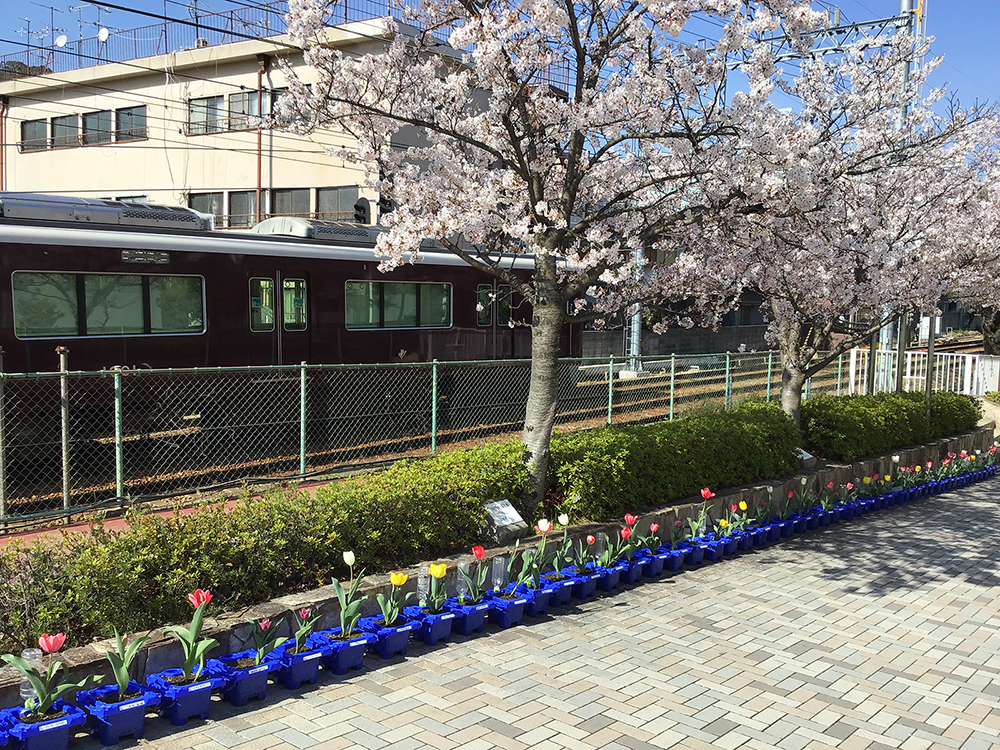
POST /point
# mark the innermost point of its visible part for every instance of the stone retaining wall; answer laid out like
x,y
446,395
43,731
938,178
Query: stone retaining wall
x,y
233,631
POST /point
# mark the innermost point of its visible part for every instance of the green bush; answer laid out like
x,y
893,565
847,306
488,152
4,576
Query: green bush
x,y
993,396
850,427
601,473
138,578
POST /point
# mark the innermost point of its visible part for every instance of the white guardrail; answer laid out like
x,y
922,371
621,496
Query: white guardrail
x,y
971,374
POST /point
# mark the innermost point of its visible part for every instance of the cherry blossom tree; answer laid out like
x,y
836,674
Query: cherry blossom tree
x,y
570,131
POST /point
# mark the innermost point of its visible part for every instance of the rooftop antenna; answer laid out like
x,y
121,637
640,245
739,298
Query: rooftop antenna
x,y
52,29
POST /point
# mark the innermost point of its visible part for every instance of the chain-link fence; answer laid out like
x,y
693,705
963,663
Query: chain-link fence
x,y
71,441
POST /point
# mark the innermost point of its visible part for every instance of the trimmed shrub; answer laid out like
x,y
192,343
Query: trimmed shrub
x,y
601,473
135,579
850,427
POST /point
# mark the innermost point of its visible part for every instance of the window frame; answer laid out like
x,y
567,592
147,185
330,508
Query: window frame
x,y
305,305
381,306
81,323
273,199
251,218
498,293
85,133
274,311
129,134
218,124
71,140
37,144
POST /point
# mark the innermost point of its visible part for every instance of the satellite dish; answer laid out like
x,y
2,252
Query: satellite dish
x,y
103,35
61,40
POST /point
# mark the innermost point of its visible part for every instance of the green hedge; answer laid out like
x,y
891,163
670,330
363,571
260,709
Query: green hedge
x,y
850,427
138,578
601,473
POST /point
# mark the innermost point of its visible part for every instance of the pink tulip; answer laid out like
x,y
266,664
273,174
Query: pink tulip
x,y
199,597
590,539
630,519
265,625
677,523
653,528
626,533
707,493
51,643
304,612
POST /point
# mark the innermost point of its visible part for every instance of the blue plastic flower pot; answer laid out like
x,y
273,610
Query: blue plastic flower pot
x,y
560,591
801,524
610,577
112,721
433,627
584,585
846,512
760,534
242,684
835,515
713,550
812,521
45,735
653,564
538,600
729,545
631,570
506,612
181,702
294,669
822,517
675,560
694,554
469,618
391,640
744,541
339,654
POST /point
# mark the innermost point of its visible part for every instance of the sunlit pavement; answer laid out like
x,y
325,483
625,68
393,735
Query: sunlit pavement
x,y
881,632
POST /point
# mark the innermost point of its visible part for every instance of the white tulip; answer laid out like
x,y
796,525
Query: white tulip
x,y
349,558
563,519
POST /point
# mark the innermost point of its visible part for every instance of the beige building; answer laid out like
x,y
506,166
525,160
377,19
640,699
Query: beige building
x,y
176,127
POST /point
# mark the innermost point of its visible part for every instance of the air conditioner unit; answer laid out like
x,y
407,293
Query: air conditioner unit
x,y
200,43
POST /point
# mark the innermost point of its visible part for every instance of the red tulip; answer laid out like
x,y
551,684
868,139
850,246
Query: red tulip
x,y
479,552
850,485
199,597
733,508
265,625
789,494
707,493
677,523
963,454
829,485
945,461
952,455
51,643
653,528
304,612
626,533
590,539
630,519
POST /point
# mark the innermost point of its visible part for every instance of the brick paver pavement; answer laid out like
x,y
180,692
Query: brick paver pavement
x,y
879,633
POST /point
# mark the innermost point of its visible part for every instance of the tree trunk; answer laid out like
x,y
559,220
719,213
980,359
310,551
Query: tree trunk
x,y
543,398
991,330
792,382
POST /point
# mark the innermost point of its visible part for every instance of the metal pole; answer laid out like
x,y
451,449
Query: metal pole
x,y
808,383
840,370
63,353
302,418
611,385
929,382
770,353
672,362
434,405
3,448
119,447
729,385
904,336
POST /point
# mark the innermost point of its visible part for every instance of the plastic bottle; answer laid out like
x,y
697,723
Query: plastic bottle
x,y
34,657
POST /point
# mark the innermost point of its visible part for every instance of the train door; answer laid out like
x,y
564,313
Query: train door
x,y
493,312
279,318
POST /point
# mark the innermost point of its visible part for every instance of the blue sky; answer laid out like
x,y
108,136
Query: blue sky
x,y
967,31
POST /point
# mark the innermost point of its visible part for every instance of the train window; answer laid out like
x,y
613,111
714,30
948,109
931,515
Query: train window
x,y
97,127
388,304
176,304
64,131
294,304
207,115
113,305
92,304
131,124
34,135
486,299
261,304
45,304
399,306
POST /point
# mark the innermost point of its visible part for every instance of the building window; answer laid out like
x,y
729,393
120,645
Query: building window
x,y
206,203
243,106
206,115
487,301
243,208
34,135
131,125
294,304
64,131
336,203
390,304
97,127
48,305
261,304
293,202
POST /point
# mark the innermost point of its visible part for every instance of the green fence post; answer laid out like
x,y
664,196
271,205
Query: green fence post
x,y
729,385
770,353
119,447
611,385
3,449
672,362
63,353
434,405
840,370
302,418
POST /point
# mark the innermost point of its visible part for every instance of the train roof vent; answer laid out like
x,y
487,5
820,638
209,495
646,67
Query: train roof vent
x,y
95,211
295,226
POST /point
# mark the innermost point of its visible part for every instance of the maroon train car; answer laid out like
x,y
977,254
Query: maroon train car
x,y
139,285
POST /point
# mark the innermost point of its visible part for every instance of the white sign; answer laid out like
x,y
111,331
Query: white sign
x,y
503,513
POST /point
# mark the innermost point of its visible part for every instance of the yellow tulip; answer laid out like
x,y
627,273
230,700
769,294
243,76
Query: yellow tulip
x,y
916,469
398,579
438,571
972,458
867,480
888,478
723,523
743,505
